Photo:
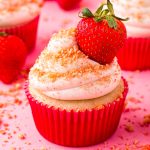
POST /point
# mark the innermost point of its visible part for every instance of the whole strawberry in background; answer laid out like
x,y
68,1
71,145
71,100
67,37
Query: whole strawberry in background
x,y
102,34
13,53
68,4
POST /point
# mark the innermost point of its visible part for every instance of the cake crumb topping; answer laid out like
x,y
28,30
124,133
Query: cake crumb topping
x,y
64,33
53,76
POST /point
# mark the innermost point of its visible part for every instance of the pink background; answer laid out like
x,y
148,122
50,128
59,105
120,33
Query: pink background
x,y
16,118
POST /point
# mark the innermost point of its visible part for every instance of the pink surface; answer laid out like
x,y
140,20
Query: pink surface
x,y
17,129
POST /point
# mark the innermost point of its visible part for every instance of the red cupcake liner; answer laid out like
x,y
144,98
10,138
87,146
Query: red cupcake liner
x,y
76,128
135,54
27,32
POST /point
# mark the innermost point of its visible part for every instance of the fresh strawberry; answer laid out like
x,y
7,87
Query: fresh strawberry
x,y
13,53
8,75
68,4
102,34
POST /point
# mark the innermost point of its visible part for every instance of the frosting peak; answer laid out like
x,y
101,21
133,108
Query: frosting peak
x,y
62,71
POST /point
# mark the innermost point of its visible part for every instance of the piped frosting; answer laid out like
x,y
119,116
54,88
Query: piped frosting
x,y
63,72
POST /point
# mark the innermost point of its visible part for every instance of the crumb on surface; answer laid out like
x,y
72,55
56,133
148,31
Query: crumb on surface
x,y
22,136
129,128
146,120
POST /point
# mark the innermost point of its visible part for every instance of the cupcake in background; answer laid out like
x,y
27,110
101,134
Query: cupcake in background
x,y
136,53
20,17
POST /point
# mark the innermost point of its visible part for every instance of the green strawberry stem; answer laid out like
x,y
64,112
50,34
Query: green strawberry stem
x,y
3,34
103,13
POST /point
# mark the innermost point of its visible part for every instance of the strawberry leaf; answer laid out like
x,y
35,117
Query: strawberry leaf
x,y
110,7
98,19
111,22
87,13
104,12
99,10
122,19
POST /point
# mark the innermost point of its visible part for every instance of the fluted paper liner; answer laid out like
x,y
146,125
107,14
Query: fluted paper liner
x,y
76,128
135,55
27,32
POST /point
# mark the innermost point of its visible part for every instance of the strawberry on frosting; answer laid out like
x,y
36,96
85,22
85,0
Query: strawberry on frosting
x,y
101,34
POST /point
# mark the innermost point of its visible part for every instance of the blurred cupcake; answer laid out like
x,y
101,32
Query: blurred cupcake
x,y
136,53
75,101
20,17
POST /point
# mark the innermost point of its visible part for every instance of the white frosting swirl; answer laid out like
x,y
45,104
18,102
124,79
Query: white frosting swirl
x,y
16,12
63,72
139,13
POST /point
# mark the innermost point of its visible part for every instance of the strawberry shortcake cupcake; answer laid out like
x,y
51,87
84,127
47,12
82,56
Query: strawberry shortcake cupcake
x,y
77,94
20,17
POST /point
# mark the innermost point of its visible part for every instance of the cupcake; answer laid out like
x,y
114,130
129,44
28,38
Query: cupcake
x,y
135,54
20,17
75,100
